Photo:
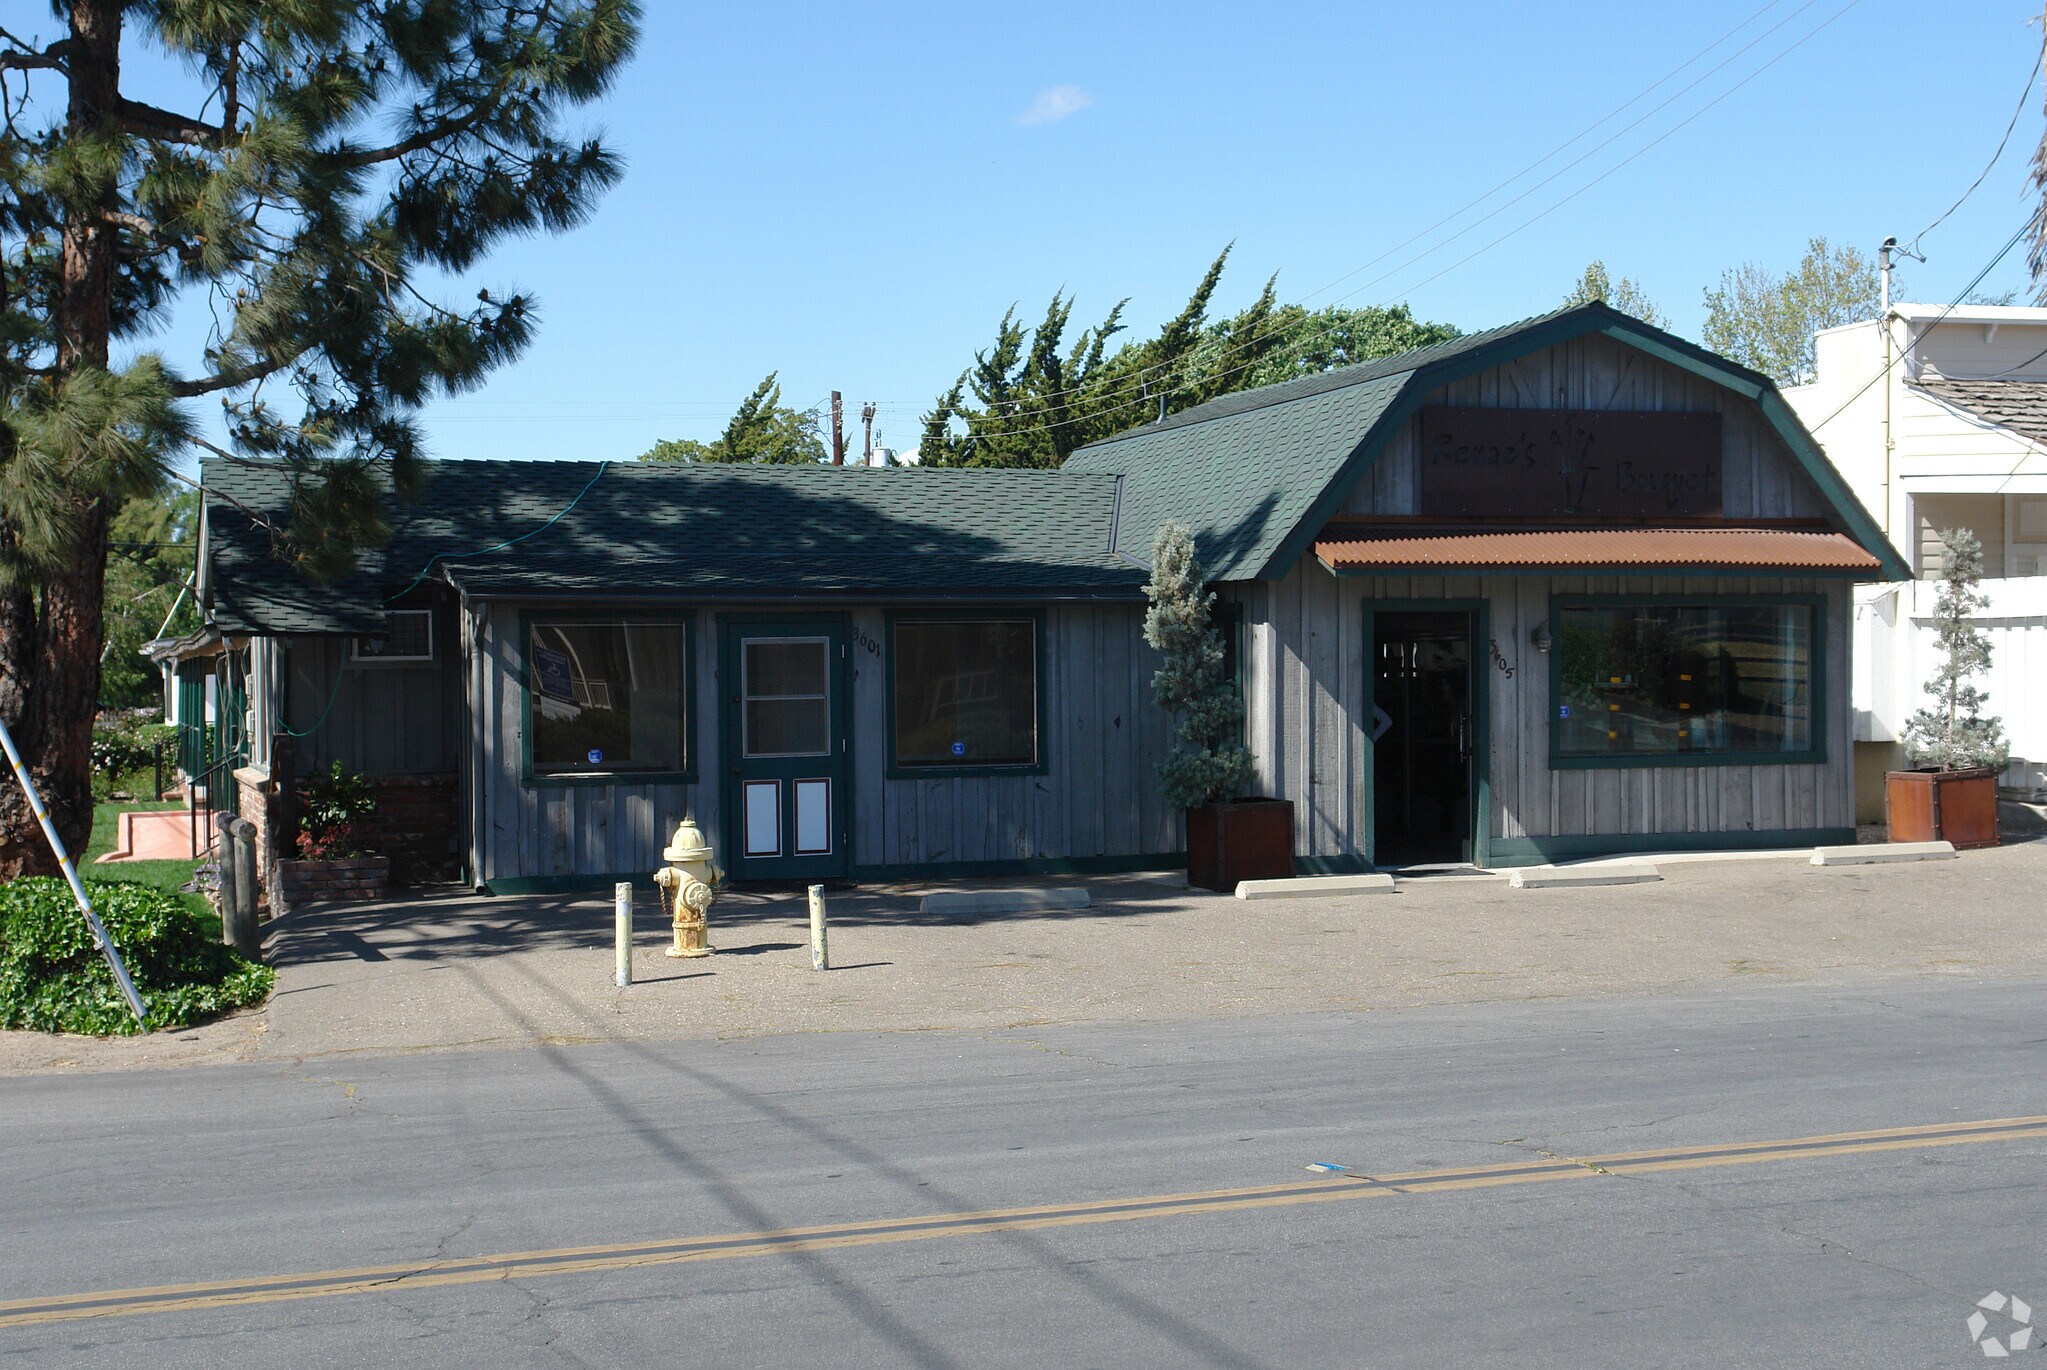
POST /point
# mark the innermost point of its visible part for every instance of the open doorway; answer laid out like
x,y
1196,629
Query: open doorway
x,y
1425,732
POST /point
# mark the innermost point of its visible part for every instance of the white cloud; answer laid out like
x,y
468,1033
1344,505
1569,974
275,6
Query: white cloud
x,y
1059,102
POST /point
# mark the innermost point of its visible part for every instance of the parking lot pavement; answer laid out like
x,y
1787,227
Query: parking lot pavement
x,y
426,974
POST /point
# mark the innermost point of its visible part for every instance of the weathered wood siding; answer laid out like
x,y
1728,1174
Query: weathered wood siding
x,y
1307,680
575,830
388,718
1759,478
1097,799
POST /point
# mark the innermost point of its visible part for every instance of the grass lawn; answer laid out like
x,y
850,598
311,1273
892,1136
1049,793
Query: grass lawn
x,y
165,875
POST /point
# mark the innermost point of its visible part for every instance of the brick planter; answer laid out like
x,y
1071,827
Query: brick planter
x,y
354,878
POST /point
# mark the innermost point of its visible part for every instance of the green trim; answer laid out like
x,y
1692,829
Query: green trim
x,y
686,776
1803,446
1613,324
895,771
566,884
1815,755
1537,851
1345,863
838,629
1481,611
1033,865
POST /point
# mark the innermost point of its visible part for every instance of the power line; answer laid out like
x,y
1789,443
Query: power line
x,y
2024,97
1939,319
1124,403
1142,375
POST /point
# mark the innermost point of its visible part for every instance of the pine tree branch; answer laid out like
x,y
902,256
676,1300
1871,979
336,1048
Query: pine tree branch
x,y
150,122
233,377
25,56
418,142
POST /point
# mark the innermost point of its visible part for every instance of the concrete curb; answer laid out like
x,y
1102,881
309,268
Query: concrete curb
x,y
1315,886
1003,901
1882,853
1580,877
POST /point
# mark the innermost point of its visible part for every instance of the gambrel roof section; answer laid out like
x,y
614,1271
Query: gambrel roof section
x,y
1255,475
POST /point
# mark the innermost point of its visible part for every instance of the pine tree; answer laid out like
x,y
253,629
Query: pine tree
x,y
1953,734
1024,402
327,156
1189,681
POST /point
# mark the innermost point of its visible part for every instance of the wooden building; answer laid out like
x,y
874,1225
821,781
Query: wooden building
x,y
1566,587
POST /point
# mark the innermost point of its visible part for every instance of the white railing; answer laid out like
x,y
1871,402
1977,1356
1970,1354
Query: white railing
x,y
1895,653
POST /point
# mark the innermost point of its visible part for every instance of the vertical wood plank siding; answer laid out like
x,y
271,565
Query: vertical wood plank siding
x,y
387,718
1759,479
1319,764
1098,797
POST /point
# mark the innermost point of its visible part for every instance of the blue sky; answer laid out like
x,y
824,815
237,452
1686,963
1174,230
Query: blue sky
x,y
853,195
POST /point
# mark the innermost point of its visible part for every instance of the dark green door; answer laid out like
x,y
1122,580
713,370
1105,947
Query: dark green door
x,y
786,748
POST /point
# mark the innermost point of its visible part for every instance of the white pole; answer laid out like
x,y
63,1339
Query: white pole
x,y
92,920
622,931
820,954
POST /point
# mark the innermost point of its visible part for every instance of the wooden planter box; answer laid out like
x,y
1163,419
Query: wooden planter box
x,y
1240,839
351,878
1930,805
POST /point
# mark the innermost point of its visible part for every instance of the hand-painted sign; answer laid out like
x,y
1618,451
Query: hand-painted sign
x,y
1598,464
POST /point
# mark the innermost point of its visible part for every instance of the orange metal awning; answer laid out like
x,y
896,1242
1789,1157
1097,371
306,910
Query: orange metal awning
x,y
1746,549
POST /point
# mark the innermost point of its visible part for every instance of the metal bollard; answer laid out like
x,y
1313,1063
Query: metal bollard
x,y
622,931
820,954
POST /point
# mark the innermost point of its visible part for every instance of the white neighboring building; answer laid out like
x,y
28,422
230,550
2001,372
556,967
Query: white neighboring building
x,y
1953,435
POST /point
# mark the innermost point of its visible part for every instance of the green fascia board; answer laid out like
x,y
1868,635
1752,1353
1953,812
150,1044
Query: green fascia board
x,y
1807,449
1537,851
1031,865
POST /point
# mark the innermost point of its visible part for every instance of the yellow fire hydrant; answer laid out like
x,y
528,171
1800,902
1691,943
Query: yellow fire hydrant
x,y
688,884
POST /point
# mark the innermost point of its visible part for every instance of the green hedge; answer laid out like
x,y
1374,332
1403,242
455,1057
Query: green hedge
x,y
53,980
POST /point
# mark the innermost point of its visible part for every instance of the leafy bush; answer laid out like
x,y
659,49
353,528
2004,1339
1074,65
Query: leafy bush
x,y
124,743
330,807
52,979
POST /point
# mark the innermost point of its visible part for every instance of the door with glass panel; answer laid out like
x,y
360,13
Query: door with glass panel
x,y
786,725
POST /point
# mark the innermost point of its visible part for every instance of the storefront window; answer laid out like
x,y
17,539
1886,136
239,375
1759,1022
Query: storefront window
x,y
607,698
1681,680
966,692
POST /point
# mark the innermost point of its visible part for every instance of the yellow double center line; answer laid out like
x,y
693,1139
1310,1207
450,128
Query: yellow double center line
x,y
1335,1189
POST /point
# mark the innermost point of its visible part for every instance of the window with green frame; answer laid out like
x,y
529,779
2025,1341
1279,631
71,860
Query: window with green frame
x,y
1677,680
607,698
964,692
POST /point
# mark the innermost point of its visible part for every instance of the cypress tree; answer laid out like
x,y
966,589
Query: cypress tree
x,y
324,157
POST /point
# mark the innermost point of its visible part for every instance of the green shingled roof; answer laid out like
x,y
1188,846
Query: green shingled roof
x,y
1252,473
679,531
1255,475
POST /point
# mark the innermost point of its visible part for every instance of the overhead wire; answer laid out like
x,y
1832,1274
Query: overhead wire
x,y
2025,98
1125,403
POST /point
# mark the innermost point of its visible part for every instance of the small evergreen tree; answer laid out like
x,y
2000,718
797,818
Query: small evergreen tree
x,y
1190,681
1953,734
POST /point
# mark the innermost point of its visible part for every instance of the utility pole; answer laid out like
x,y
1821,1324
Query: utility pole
x,y
867,434
1883,271
838,431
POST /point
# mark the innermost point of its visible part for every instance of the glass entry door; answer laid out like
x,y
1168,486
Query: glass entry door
x,y
785,742
1424,735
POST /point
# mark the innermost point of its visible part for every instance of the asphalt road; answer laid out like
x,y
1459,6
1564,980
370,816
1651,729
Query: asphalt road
x,y
1506,1212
